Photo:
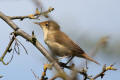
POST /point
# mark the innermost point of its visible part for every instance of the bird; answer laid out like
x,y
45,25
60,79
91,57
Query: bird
x,y
59,43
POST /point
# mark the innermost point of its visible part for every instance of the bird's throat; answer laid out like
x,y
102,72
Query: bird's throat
x,y
45,32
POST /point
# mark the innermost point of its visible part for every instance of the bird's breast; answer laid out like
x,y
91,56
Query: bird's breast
x,y
45,32
58,49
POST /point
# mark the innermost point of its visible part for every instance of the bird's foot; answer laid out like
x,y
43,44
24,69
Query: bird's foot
x,y
64,65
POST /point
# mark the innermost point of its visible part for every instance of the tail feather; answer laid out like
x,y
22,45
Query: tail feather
x,y
84,55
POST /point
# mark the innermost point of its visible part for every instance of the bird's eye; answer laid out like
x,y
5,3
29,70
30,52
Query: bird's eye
x,y
46,24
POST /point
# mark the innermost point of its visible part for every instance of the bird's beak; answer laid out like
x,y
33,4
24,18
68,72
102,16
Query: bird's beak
x,y
37,23
41,24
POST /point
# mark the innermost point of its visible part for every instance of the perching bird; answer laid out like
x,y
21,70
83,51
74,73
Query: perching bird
x,y
59,43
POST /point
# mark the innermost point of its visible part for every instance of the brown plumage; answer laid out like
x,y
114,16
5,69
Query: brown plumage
x,y
59,43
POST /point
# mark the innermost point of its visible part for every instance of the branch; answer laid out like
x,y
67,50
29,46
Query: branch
x,y
84,71
101,74
37,44
33,16
7,50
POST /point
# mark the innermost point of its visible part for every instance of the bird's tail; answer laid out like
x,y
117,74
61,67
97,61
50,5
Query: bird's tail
x,y
84,55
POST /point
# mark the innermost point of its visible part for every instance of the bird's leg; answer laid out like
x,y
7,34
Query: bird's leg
x,y
69,60
61,63
65,64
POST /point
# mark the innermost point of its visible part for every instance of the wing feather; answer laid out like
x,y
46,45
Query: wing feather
x,y
63,39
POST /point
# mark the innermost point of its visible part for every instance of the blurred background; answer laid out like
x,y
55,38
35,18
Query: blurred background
x,y
85,21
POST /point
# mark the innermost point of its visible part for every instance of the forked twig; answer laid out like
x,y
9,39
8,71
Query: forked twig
x,y
7,50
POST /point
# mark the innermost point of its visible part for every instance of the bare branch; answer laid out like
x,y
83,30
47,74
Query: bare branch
x,y
86,76
101,74
7,50
32,16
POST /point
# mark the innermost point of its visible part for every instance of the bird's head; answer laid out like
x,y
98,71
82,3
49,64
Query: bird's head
x,y
48,25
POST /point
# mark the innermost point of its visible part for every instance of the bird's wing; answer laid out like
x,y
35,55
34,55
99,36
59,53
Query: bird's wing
x,y
63,39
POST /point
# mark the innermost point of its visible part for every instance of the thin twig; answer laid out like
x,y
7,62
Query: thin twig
x,y
22,45
32,16
101,74
35,75
16,47
7,50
